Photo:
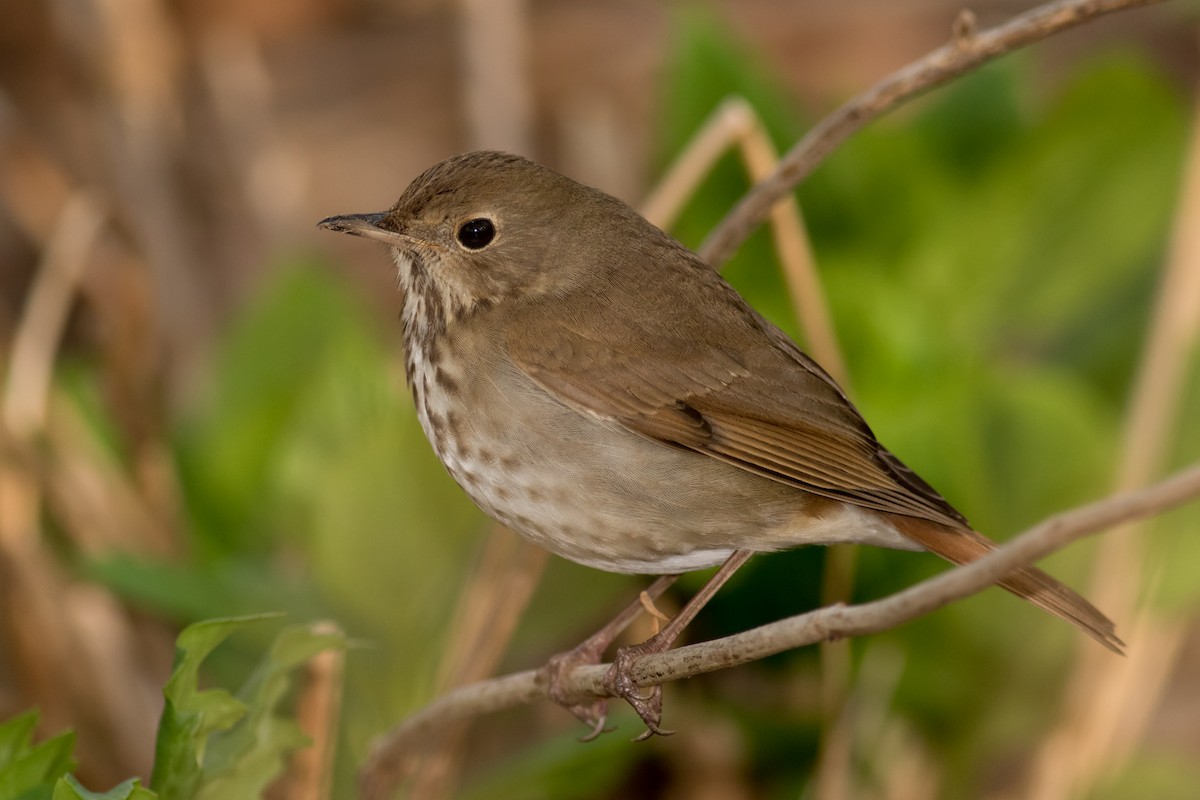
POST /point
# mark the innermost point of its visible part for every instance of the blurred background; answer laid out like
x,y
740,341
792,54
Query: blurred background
x,y
204,410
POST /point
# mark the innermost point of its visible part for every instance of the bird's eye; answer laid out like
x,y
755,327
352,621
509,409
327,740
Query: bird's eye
x,y
476,234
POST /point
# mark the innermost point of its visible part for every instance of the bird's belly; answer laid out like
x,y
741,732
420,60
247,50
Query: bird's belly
x,y
596,493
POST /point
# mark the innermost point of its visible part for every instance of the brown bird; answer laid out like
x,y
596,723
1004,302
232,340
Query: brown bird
x,y
597,387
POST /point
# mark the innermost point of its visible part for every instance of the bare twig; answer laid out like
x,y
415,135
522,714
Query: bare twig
x,y
391,750
965,52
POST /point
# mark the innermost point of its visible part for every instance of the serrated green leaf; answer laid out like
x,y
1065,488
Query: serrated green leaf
x,y
15,735
68,788
190,714
32,773
242,762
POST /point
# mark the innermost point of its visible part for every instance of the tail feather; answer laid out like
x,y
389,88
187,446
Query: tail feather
x,y
963,545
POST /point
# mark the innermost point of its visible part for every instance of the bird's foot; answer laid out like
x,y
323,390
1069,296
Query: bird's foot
x,y
620,683
593,711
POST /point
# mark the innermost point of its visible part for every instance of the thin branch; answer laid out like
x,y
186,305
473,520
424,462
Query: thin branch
x,y
404,741
965,52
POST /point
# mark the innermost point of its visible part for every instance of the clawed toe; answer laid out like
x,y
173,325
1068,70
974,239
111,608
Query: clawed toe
x,y
593,712
649,708
597,723
620,682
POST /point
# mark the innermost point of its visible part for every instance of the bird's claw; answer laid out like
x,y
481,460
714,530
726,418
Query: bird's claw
x,y
620,683
593,713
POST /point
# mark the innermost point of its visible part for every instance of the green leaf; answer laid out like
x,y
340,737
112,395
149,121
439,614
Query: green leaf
x,y
15,735
242,762
212,745
33,771
68,788
190,714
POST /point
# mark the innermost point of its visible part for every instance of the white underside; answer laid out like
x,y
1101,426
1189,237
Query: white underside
x,y
850,525
668,565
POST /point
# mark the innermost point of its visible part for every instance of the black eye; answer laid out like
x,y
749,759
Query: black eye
x,y
476,234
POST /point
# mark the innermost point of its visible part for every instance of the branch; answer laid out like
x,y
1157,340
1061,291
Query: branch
x,y
391,751
965,52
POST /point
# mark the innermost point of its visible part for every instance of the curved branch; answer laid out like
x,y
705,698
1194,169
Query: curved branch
x,y
392,750
965,52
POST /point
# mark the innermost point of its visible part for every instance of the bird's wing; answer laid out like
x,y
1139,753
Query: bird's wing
x,y
742,392
750,398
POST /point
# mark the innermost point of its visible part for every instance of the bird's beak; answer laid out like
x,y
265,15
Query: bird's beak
x,y
357,224
369,225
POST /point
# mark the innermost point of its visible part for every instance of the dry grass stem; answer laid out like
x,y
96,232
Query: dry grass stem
x,y
735,124
721,131
36,342
135,51
795,253
318,709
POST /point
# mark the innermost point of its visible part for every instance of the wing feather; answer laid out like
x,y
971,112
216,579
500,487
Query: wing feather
x,y
762,406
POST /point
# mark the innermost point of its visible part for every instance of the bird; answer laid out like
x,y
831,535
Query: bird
x,y
597,387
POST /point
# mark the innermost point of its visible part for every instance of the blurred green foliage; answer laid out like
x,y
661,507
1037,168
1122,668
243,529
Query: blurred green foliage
x,y
29,771
210,743
989,254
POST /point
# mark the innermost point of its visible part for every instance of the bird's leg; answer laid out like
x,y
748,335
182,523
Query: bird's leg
x,y
620,678
594,711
